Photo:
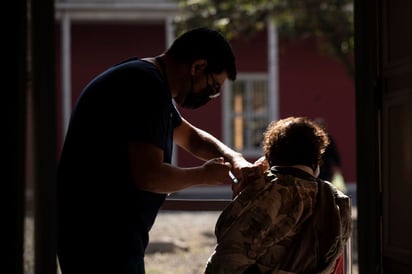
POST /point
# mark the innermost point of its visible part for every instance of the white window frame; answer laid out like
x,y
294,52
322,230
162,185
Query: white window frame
x,y
249,152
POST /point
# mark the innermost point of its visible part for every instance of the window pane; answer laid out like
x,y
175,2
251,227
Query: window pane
x,y
238,99
258,120
238,108
259,97
258,127
248,115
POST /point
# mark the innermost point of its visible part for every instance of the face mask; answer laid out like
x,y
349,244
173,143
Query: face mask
x,y
195,100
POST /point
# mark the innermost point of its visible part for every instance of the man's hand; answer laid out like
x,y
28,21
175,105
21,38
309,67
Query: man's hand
x,y
216,171
262,161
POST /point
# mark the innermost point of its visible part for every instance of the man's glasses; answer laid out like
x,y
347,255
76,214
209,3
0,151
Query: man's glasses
x,y
214,88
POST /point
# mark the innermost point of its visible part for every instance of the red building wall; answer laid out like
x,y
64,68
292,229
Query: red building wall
x,y
315,85
310,84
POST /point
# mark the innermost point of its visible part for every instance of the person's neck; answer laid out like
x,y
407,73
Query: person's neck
x,y
174,73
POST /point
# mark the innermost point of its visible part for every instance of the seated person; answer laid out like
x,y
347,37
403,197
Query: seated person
x,y
286,220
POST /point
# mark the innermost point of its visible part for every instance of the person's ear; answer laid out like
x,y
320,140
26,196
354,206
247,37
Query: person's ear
x,y
198,66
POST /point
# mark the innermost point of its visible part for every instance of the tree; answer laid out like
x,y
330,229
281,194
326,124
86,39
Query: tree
x,y
330,20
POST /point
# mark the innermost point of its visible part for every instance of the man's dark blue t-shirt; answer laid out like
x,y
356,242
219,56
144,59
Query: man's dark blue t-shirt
x,y
97,198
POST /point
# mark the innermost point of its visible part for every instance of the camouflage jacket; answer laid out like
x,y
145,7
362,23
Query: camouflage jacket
x,y
285,222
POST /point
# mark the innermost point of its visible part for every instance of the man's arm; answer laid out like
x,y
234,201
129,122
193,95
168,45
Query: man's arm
x,y
205,146
150,173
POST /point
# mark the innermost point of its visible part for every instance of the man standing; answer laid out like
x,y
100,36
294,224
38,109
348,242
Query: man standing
x,y
115,168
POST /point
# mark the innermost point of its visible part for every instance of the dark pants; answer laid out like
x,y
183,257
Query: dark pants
x,y
136,266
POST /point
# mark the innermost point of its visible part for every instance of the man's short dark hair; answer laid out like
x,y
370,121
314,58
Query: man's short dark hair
x,y
205,43
294,141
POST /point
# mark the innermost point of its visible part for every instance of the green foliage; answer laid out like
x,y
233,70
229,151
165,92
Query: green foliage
x,y
330,20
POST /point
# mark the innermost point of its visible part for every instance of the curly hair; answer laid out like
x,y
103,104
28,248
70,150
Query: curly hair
x,y
294,141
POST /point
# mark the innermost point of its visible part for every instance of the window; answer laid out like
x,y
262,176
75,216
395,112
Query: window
x,y
246,113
